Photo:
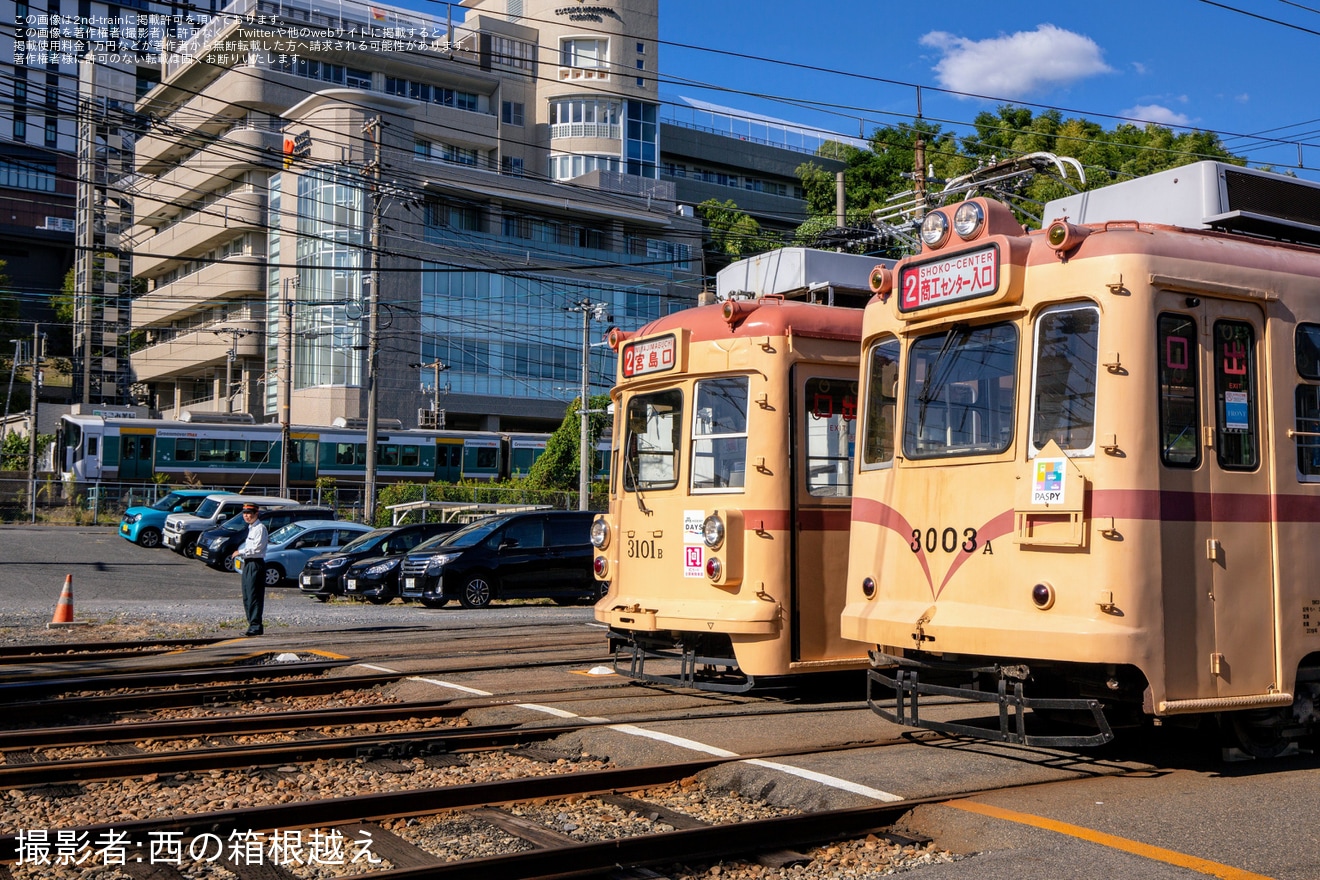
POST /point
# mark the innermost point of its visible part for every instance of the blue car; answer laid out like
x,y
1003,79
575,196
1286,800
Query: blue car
x,y
143,525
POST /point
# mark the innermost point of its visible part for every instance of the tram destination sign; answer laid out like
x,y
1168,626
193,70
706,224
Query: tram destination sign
x,y
935,282
650,356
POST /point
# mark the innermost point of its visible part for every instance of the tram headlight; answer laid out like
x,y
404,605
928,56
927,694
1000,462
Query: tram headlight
x,y
934,229
712,531
968,220
600,534
1042,596
713,568
868,587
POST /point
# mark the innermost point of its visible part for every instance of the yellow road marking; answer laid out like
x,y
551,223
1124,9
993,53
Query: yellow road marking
x,y
1155,853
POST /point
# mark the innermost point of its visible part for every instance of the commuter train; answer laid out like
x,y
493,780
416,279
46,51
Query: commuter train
x,y
726,538
97,448
1093,491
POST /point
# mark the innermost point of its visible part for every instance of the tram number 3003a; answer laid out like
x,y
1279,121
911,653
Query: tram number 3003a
x,y
639,549
946,540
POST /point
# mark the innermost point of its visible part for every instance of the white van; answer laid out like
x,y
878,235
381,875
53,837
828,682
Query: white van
x,y
183,529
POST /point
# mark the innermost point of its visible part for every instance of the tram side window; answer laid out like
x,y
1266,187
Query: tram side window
x,y
959,398
1306,403
719,434
1063,398
185,449
881,403
831,409
1235,396
650,459
91,446
1179,412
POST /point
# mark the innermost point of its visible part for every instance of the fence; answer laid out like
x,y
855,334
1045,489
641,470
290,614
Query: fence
x,y
50,500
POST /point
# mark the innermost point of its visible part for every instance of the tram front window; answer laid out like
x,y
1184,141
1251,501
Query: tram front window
x,y
719,434
652,442
960,392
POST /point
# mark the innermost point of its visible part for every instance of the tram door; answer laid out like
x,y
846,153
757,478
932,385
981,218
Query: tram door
x,y
136,452
823,417
1227,501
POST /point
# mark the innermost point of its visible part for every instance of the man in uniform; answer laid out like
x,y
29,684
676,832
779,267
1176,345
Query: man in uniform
x,y
253,554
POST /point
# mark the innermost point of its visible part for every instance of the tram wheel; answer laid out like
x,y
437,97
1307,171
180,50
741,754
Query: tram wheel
x,y
477,592
1257,733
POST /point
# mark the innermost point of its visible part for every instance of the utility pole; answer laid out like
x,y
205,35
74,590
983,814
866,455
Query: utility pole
x,y
235,334
919,160
589,310
285,344
32,424
439,367
372,129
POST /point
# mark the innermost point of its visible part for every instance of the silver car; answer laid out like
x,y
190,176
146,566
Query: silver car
x,y
291,546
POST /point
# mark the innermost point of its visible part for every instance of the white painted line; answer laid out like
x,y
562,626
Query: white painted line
x,y
832,781
681,742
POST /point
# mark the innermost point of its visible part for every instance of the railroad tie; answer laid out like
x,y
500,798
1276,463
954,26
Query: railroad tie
x,y
780,858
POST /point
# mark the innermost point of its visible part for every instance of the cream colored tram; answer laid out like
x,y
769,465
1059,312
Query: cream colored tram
x,y
726,538
1094,490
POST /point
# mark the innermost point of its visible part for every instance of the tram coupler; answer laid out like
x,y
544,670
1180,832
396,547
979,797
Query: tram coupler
x,y
696,671
1008,697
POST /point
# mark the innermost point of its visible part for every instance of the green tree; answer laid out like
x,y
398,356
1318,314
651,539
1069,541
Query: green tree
x,y
557,468
733,232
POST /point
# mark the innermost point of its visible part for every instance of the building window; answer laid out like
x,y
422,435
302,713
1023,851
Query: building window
x,y
20,127
15,174
642,139
512,54
357,79
511,113
52,133
641,48
584,53
512,165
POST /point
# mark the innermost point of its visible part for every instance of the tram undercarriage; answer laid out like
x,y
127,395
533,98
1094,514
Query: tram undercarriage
x,y
703,661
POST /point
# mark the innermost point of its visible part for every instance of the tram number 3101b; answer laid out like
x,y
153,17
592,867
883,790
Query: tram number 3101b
x,y
640,549
947,540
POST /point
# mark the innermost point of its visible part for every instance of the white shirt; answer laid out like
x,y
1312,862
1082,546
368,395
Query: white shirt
x,y
254,546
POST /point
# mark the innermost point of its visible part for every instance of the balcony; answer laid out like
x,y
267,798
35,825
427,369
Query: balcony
x,y
236,151
199,230
197,352
230,278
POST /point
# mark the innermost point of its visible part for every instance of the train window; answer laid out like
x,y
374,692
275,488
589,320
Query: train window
x,y
1307,426
1307,347
488,458
409,456
211,451
1235,396
259,451
238,451
387,455
831,410
881,402
1063,397
719,435
652,440
959,398
1179,412
344,453
91,446
185,449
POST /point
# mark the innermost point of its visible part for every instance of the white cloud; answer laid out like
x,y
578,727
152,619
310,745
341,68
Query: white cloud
x,y
1016,65
1156,113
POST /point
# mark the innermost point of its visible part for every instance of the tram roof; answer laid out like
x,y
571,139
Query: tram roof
x,y
767,316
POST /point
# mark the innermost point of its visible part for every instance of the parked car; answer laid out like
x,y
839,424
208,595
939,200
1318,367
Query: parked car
x,y
145,525
216,546
322,577
291,547
539,554
183,529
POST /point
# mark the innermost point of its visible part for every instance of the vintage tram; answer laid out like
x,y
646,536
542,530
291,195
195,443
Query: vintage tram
x,y
725,542
1094,490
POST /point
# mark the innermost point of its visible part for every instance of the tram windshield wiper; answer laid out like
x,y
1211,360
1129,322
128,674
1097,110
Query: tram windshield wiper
x,y
941,364
630,476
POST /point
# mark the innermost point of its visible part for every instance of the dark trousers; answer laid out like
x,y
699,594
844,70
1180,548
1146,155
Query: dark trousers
x,y
254,591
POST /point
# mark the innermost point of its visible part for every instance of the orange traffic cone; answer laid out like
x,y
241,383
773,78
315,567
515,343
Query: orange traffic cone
x,y
64,608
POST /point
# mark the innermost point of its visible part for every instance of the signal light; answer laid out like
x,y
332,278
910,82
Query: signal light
x,y
601,566
1042,596
713,568
1064,236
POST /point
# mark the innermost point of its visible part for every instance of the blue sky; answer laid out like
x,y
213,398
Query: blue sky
x,y
1176,62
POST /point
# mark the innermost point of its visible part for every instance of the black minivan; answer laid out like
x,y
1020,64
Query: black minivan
x,y
537,554
323,576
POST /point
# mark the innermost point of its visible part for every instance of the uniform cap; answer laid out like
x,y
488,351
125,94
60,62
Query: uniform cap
x,y
251,507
